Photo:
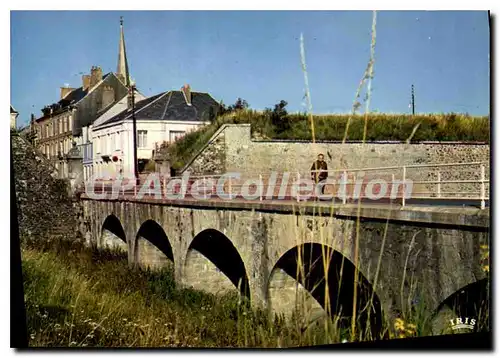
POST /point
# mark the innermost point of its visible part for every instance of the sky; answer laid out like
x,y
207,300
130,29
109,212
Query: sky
x,y
255,55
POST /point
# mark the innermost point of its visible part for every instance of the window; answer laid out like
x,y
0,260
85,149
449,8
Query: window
x,y
174,135
117,140
142,139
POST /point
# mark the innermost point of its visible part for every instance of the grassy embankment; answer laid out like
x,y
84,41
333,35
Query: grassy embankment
x,y
380,127
77,296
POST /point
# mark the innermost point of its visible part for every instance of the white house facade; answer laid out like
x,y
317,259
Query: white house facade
x,y
88,136
161,118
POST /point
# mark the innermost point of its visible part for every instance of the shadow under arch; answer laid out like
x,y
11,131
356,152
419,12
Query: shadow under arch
x,y
306,264
114,226
218,249
152,232
471,301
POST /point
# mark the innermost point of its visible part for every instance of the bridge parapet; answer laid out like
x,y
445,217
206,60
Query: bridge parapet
x,y
460,183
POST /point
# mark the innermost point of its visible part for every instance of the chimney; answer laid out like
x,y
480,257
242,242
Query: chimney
x,y
95,76
85,82
186,89
65,91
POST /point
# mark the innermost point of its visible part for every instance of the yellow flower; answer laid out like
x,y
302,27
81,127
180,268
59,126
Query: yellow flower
x,y
399,322
486,268
401,335
410,331
484,247
399,326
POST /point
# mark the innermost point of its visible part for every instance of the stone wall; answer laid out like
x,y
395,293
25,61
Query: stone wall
x,y
232,149
211,159
45,209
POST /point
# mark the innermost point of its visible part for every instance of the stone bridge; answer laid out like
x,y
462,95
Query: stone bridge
x,y
262,250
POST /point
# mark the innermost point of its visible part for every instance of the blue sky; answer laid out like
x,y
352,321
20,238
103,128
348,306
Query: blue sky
x,y
256,55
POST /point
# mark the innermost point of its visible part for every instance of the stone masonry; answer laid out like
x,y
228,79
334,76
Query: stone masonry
x,y
231,149
428,254
45,210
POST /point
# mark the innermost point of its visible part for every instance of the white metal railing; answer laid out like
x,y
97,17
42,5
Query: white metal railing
x,y
471,174
448,181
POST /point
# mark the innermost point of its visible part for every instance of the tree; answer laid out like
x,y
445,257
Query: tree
x,y
222,109
279,116
212,115
238,105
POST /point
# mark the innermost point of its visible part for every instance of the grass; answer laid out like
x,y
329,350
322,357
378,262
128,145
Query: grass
x,y
80,296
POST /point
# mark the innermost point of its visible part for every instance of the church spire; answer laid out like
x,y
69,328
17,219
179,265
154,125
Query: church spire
x,y
122,70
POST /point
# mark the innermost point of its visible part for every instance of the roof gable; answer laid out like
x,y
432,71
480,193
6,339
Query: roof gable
x,y
89,108
171,106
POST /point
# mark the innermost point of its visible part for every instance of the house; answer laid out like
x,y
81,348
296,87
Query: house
x,y
13,117
164,117
87,132
62,122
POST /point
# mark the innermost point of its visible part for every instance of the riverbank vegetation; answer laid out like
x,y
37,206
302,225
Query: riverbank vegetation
x,y
80,296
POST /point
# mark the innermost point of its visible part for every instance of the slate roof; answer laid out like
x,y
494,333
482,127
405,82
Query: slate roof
x,y
71,98
74,96
77,94
171,106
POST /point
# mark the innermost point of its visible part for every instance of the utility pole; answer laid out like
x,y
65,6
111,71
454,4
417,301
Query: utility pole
x,y
134,130
412,100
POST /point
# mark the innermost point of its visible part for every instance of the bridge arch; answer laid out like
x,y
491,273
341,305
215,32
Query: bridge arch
x,y
214,264
112,233
471,301
152,247
314,280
